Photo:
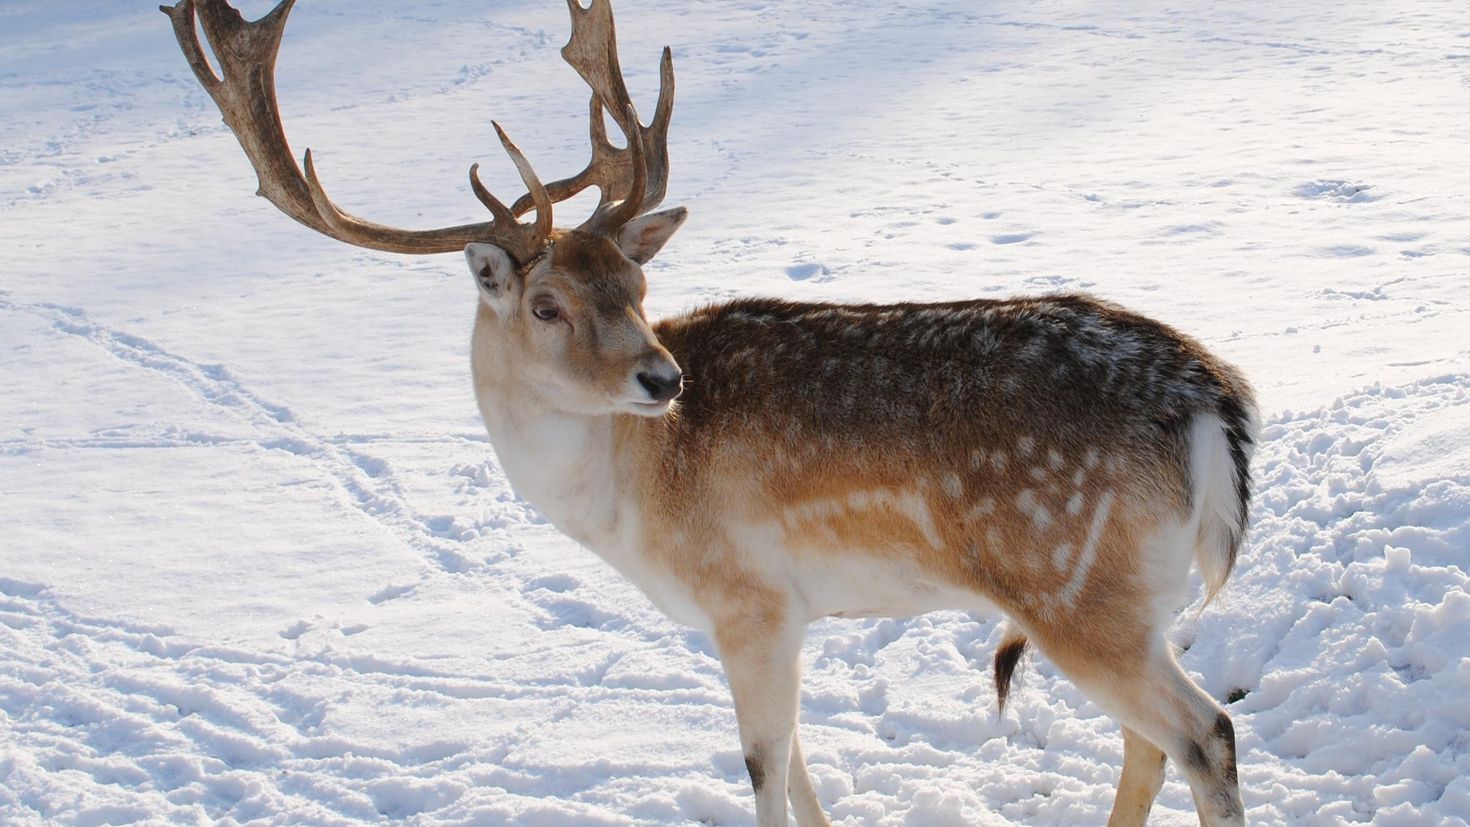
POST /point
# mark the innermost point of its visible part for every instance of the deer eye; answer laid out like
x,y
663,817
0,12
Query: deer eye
x,y
545,312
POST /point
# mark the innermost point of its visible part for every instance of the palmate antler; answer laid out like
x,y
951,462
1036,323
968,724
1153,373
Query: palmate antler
x,y
631,179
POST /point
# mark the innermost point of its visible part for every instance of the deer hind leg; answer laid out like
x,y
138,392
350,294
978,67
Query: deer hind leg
x,y
760,656
1145,690
1195,732
1143,776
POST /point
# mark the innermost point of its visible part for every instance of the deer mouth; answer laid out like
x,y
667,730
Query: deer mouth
x,y
651,407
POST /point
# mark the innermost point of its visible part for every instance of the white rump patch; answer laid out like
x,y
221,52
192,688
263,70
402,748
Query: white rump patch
x,y
1215,498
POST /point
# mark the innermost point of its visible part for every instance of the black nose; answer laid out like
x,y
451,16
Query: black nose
x,y
661,388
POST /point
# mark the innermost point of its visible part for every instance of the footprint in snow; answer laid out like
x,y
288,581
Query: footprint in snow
x,y
1336,190
581,614
802,272
554,583
1060,282
372,466
1344,251
387,593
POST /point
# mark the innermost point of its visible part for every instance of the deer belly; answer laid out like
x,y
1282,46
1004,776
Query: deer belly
x,y
862,553
861,586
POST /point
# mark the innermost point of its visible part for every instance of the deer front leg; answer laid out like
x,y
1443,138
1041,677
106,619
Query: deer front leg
x,y
800,790
760,656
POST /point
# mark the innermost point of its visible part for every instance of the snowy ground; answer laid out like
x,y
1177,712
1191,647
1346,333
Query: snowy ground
x,y
258,563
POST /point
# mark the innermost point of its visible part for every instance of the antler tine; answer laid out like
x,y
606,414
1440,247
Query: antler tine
x,y
496,207
593,51
656,150
610,217
539,197
245,93
615,171
535,191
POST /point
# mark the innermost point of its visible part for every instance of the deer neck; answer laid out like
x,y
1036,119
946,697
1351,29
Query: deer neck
x,y
570,466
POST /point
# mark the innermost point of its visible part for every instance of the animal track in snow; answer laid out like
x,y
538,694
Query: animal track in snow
x,y
1344,251
807,270
369,482
1059,283
1336,190
389,592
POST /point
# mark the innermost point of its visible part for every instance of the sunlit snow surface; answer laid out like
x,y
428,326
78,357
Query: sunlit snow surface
x,y
258,563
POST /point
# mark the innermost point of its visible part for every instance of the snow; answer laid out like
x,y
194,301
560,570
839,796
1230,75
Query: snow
x,y
258,562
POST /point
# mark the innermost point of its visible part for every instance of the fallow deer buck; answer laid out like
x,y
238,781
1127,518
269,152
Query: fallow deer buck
x,y
1057,459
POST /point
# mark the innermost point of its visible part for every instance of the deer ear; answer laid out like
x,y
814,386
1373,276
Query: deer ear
x,y
642,238
494,273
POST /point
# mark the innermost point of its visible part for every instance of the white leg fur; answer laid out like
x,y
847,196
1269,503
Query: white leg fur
x,y
760,657
799,789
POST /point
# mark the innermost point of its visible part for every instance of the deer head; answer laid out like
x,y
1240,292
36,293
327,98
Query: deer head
x,y
570,327
562,306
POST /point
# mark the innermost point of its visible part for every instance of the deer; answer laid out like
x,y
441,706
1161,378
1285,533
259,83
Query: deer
x,y
757,465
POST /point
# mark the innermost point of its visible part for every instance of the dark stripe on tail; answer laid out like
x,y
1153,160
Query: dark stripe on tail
x,y
1006,659
1235,414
